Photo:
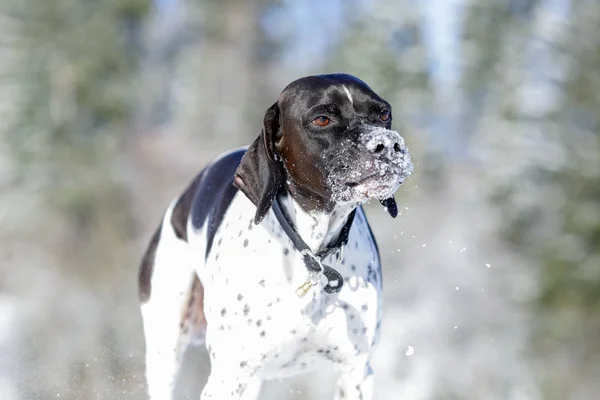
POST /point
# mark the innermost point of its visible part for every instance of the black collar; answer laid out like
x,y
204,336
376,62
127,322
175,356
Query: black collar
x,y
311,261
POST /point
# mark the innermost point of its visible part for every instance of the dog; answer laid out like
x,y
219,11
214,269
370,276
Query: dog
x,y
267,256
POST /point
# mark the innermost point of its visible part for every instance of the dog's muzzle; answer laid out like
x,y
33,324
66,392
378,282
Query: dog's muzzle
x,y
374,169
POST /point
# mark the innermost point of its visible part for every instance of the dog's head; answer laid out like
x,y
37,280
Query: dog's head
x,y
328,140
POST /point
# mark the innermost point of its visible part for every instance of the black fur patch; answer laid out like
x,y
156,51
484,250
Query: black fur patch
x,y
181,212
147,267
214,194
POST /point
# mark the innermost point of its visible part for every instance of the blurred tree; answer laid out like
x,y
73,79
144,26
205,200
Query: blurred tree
x,y
531,82
72,77
220,78
70,72
383,45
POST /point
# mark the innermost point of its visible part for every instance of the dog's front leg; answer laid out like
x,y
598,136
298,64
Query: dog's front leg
x,y
231,384
356,384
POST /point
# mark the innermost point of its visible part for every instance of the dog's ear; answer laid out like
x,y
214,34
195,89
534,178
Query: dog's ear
x,y
390,206
260,174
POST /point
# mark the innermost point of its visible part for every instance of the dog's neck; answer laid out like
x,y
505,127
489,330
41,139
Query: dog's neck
x,y
318,229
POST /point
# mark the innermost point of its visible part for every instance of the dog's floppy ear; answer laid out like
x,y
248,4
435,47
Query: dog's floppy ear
x,y
390,206
260,174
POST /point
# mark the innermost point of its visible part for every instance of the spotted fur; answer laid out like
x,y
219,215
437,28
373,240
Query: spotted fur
x,y
246,315
220,271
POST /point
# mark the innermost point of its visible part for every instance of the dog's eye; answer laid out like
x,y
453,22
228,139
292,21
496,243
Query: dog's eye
x,y
321,121
384,115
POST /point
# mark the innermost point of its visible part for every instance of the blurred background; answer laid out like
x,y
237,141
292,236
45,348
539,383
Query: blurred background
x,y
491,272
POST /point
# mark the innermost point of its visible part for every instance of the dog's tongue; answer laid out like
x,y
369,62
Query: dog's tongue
x,y
390,206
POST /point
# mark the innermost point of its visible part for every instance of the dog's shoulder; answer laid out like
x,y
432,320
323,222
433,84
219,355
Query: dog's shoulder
x,y
207,197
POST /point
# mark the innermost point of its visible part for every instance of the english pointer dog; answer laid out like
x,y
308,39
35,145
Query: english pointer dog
x,y
267,256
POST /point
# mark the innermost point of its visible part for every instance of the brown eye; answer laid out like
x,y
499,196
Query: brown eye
x,y
384,116
321,121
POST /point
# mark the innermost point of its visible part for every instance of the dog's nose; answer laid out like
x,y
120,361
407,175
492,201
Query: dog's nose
x,y
379,147
384,142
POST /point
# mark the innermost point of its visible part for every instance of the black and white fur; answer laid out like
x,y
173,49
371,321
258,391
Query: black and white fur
x,y
220,270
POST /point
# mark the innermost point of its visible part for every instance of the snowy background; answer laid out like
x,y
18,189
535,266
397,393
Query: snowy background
x,y
491,272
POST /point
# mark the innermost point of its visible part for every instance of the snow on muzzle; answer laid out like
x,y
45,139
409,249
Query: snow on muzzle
x,y
387,147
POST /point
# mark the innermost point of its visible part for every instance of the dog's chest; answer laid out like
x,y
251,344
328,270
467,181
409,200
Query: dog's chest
x,y
251,276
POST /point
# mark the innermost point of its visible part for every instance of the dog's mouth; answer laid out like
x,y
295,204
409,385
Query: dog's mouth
x,y
376,184
374,177
373,183
353,184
